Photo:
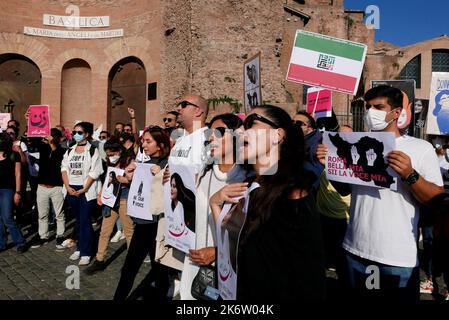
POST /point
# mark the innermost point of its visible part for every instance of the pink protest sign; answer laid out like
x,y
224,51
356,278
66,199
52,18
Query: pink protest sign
x,y
4,118
38,121
319,102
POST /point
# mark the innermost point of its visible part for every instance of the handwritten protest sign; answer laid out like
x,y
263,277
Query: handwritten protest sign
x,y
359,158
326,62
139,197
4,118
438,113
179,201
111,186
252,93
319,102
38,121
229,225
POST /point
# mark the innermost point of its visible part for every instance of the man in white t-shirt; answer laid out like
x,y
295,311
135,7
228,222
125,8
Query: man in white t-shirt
x,y
189,150
381,239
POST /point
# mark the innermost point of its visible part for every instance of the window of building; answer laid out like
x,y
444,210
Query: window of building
x,y
412,70
440,60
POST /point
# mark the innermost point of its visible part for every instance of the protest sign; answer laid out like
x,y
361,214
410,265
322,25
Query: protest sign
x,y
229,226
252,93
319,102
408,89
438,113
4,118
139,197
111,186
38,121
326,62
179,201
359,158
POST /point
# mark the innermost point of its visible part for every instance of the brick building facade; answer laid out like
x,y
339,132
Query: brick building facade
x,y
167,48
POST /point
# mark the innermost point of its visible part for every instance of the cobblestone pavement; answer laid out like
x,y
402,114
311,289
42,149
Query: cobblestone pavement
x,y
40,273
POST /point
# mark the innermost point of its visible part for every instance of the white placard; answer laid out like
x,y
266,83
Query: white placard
x,y
139,197
73,34
75,21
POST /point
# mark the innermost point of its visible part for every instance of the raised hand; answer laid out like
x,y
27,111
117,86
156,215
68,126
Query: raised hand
x,y
371,156
355,155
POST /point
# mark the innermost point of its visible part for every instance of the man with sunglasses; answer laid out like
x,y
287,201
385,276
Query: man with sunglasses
x,y
171,119
312,138
189,149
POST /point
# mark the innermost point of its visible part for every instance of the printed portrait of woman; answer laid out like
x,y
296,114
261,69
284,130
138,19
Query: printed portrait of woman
x,y
441,111
112,186
182,199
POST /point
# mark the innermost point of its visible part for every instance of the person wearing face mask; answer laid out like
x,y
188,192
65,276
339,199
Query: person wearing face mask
x,y
115,159
49,188
383,225
81,169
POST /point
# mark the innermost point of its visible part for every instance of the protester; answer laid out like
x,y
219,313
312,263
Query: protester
x,y
104,136
280,254
49,190
13,123
118,128
116,159
170,119
382,230
66,140
222,146
312,138
156,145
81,169
10,194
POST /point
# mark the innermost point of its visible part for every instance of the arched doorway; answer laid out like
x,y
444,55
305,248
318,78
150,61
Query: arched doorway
x,y
20,85
127,88
75,92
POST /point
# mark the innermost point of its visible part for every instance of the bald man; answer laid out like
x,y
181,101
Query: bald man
x,y
193,112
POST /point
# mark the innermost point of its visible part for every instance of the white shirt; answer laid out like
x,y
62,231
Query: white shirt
x,y
383,223
189,150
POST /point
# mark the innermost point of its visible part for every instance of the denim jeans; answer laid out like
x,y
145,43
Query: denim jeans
x,y
427,237
399,283
6,219
82,210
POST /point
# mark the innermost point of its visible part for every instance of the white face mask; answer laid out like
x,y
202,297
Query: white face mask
x,y
114,159
375,119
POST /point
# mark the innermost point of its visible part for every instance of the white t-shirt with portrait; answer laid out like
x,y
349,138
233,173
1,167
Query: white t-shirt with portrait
x,y
383,225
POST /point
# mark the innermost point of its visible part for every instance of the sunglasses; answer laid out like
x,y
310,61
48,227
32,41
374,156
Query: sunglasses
x,y
103,137
300,123
185,103
210,131
249,121
167,119
79,132
11,133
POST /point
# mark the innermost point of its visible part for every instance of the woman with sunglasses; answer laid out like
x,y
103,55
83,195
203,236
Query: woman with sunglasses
x,y
81,170
279,253
221,146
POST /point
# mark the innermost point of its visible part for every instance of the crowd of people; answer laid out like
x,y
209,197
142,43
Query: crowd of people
x,y
297,226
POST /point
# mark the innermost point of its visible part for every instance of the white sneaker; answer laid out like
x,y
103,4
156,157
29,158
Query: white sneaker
x,y
147,259
84,261
116,237
122,237
177,289
75,256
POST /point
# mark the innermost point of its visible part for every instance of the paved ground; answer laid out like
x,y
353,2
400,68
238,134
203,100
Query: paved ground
x,y
41,274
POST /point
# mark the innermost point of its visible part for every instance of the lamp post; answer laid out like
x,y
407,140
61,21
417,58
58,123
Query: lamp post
x,y
9,107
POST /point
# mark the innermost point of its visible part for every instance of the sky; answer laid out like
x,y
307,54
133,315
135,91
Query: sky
x,y
405,22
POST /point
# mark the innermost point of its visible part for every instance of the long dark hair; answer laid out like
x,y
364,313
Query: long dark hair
x,y
232,122
290,172
187,198
6,143
114,145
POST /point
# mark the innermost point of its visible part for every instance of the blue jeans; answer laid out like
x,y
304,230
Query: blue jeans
x,y
6,219
399,283
82,210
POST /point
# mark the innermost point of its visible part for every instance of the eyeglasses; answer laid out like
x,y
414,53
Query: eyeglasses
x,y
210,131
79,132
167,119
249,121
11,133
185,103
103,137
300,123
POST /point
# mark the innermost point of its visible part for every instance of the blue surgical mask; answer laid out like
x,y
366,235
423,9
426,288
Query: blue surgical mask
x,y
78,137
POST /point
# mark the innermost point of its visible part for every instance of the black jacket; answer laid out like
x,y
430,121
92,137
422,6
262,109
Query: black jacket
x,y
50,165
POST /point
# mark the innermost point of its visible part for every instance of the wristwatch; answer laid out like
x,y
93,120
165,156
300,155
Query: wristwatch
x,y
412,178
